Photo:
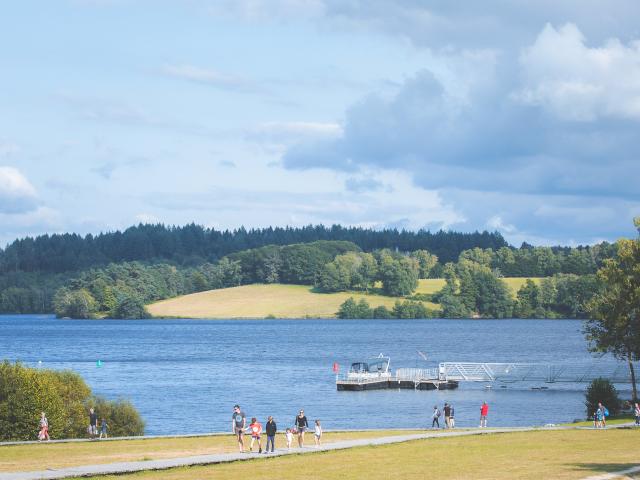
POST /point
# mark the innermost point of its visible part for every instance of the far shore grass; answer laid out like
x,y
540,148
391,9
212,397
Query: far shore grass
x,y
42,456
282,301
559,454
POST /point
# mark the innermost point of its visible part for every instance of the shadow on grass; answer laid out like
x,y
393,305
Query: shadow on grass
x,y
605,467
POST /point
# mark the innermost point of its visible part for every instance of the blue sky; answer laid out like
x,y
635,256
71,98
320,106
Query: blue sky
x,y
522,117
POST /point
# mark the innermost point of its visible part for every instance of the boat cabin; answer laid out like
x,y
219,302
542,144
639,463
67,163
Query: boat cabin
x,y
376,367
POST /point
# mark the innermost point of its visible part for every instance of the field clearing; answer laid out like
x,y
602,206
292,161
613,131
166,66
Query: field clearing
x,y
568,454
261,300
44,455
284,301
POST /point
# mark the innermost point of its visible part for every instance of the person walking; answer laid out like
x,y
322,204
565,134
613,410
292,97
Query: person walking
x,y
238,424
104,429
452,419
93,423
255,427
271,428
43,434
317,435
301,425
604,413
447,415
636,412
484,413
435,417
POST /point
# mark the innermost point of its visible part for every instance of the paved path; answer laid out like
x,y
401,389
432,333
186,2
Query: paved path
x,y
622,474
130,467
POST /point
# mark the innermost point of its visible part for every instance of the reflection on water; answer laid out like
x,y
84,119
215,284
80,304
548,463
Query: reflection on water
x,y
185,375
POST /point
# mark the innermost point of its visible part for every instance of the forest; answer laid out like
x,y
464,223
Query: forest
x,y
116,274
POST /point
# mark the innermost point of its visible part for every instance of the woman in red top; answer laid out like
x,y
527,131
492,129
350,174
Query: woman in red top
x,y
484,411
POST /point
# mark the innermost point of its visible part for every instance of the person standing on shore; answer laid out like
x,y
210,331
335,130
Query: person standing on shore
x,y
44,428
484,413
636,412
238,424
93,424
447,415
452,420
271,429
301,424
435,417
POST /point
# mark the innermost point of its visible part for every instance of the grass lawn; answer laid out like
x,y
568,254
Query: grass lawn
x,y
569,454
282,301
41,456
260,300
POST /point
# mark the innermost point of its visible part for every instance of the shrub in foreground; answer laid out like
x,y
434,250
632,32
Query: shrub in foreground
x,y
601,390
63,396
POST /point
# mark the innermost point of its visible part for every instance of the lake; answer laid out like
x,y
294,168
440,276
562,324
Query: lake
x,y
184,376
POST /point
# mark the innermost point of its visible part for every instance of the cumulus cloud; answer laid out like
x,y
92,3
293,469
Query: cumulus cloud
x,y
576,82
17,195
506,133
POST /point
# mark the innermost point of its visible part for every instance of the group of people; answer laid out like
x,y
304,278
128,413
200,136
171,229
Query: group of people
x,y
93,429
449,416
300,426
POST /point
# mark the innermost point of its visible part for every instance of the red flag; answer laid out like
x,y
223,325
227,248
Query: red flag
x,y
336,367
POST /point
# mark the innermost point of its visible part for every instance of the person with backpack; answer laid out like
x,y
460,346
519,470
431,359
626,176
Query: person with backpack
x,y
604,414
435,422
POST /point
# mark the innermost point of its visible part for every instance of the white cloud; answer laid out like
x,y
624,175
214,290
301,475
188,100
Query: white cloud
x,y
259,10
577,82
209,77
17,195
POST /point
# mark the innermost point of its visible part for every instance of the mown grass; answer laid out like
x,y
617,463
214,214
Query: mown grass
x,y
283,301
567,454
260,301
44,455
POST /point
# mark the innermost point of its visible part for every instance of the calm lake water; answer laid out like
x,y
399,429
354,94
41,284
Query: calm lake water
x,y
185,375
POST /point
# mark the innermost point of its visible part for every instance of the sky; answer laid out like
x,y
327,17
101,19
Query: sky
x,y
521,117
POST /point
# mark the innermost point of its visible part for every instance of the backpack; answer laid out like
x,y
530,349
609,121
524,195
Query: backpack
x,y
438,413
606,412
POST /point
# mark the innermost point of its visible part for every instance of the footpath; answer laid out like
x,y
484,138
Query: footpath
x,y
132,467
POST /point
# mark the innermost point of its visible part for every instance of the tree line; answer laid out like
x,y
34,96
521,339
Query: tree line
x,y
192,244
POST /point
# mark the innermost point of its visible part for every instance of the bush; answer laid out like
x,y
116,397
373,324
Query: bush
x,y
382,312
121,416
62,395
601,390
129,306
410,309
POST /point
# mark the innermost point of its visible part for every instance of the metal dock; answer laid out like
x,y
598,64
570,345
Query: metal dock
x,y
449,374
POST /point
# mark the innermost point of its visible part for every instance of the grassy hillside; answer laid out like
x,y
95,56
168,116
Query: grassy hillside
x,y
281,301
259,301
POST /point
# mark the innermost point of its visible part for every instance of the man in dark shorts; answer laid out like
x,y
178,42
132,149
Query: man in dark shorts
x,y
238,424
447,415
93,423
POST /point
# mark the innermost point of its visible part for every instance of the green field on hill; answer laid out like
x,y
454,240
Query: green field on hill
x,y
281,301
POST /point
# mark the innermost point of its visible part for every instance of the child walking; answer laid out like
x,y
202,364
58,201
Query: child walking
x,y
43,434
256,431
289,436
317,435
103,428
